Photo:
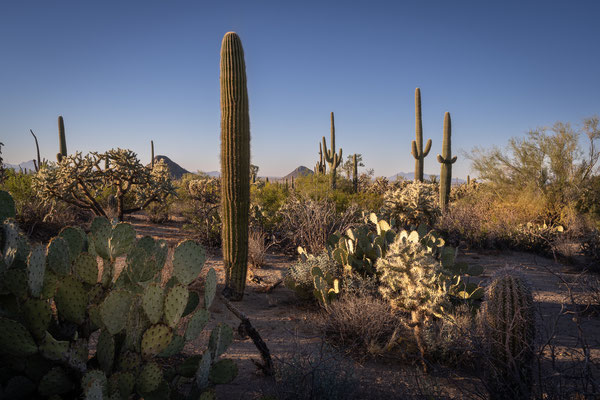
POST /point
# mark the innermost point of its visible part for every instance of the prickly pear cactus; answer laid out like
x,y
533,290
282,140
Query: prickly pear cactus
x,y
139,321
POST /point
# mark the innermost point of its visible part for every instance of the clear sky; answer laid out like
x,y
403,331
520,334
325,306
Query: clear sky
x,y
124,72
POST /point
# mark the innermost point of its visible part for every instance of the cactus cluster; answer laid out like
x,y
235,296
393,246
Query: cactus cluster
x,y
235,165
507,321
54,298
446,160
333,159
417,145
412,204
359,248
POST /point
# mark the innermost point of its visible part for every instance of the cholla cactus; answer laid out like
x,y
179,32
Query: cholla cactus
x,y
412,204
81,180
411,280
137,319
507,321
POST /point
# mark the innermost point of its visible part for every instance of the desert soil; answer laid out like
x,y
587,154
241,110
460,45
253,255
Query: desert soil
x,y
284,324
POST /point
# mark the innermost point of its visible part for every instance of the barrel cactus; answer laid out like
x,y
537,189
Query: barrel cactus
x,y
507,321
235,165
55,297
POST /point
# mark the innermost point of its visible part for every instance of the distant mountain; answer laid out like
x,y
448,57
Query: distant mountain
x,y
409,176
175,169
25,164
300,171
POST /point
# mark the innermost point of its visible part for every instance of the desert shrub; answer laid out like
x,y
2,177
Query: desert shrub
x,y
299,276
361,322
309,223
257,247
313,375
413,204
202,198
79,180
452,340
537,238
269,197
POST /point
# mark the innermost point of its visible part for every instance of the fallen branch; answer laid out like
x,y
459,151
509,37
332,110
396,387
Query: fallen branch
x,y
246,329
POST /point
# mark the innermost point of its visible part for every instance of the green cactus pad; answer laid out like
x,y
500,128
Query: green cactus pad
x,y
78,355
196,324
121,383
137,323
149,378
105,351
210,288
51,283
16,282
7,206
129,361
141,265
37,314
223,371
209,394
152,302
203,371
114,310
156,339
95,294
121,240
15,339
19,387
95,318
175,347
59,258
193,301
36,266
94,378
71,300
53,349
10,233
101,231
56,381
86,268
75,238
163,391
188,367
220,339
175,303
188,260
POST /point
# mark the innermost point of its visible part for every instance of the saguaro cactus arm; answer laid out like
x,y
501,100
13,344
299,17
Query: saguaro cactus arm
x,y
38,165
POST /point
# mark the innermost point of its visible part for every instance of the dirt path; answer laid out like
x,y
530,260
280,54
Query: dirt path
x,y
283,322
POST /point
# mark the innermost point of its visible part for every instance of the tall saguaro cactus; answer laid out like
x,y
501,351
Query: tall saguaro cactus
x,y
62,141
320,166
331,157
235,165
417,145
446,160
152,153
354,173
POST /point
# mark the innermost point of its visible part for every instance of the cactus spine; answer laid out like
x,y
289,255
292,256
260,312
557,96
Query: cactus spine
x,y
235,165
508,322
354,174
152,153
331,157
62,141
446,160
417,145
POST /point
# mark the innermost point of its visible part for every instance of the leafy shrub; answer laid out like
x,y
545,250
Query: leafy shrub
x,y
413,204
537,238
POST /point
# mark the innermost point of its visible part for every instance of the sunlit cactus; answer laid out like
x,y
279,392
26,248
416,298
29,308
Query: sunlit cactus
x,y
417,145
446,160
235,165
331,157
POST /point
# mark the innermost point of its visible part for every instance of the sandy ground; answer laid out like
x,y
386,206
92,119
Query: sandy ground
x,y
283,323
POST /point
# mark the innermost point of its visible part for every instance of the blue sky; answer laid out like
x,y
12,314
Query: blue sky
x,y
125,72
